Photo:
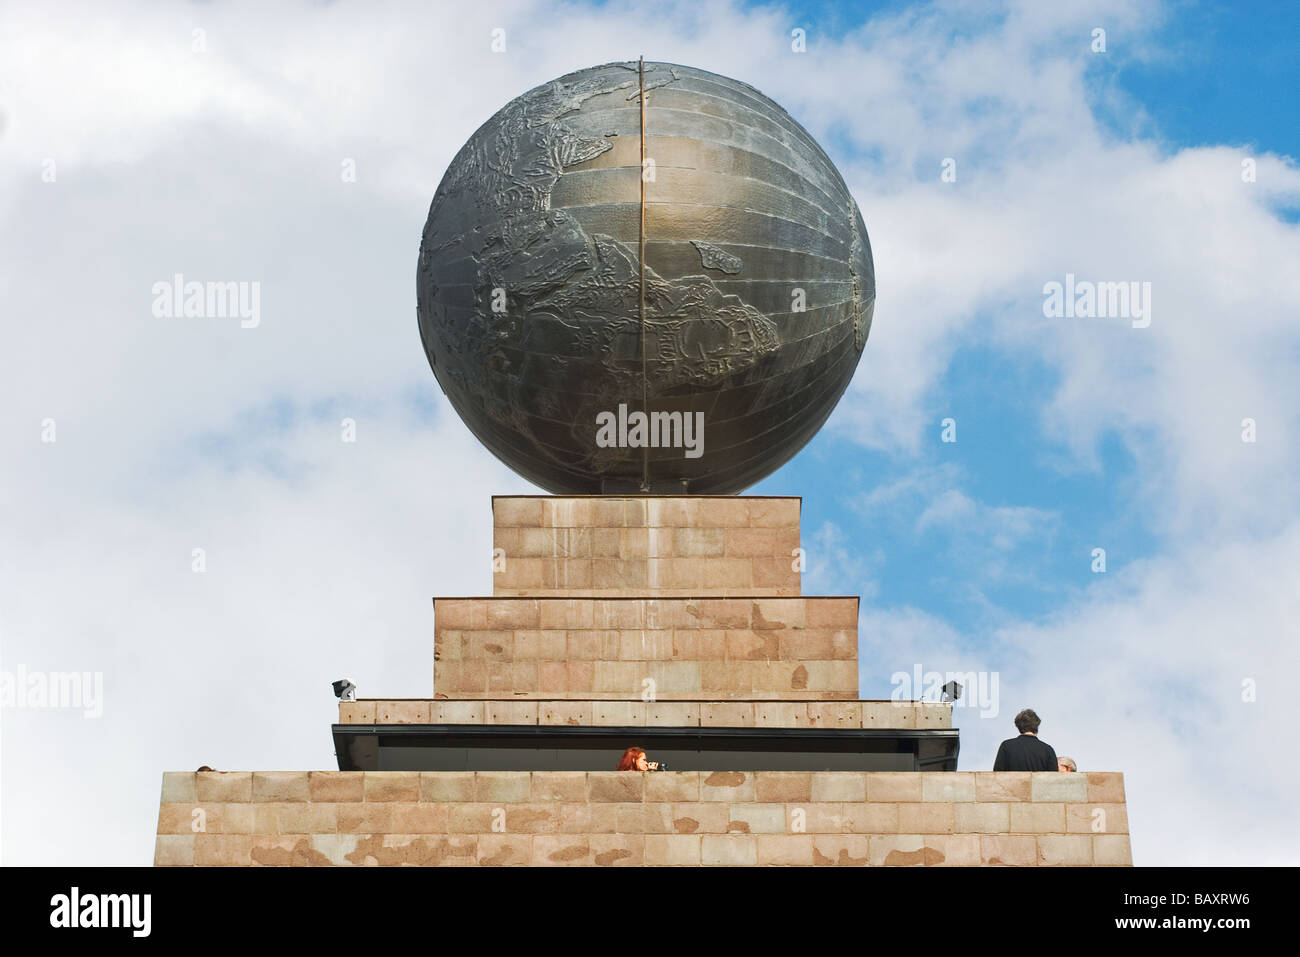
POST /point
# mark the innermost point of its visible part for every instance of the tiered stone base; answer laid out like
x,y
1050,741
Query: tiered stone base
x,y
626,612
666,818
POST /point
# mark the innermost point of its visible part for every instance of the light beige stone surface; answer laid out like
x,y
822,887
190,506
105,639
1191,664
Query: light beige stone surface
x,y
676,712
608,818
669,648
665,546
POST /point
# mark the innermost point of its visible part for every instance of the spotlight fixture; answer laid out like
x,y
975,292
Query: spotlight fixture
x,y
951,691
345,690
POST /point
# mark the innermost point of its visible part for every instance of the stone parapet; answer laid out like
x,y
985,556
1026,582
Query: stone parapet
x,y
667,818
784,648
589,546
902,715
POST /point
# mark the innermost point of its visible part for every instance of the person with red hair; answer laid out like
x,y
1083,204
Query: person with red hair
x,y
634,759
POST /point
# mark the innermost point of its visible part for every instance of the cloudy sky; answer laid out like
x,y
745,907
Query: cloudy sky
x,y
218,141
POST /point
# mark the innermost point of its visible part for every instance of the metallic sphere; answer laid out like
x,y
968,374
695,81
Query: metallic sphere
x,y
668,296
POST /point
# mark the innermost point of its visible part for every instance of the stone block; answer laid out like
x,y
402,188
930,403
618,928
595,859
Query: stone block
x,y
1056,787
365,818
174,850
504,850
541,645
925,818
671,677
898,850
1038,818
832,613
222,786
781,714
503,787
783,786
402,711
561,850
336,786
724,513
578,713
615,786
356,712
446,786
813,818
526,512
181,818
619,713
306,818
1002,785
727,786
953,850
511,712
672,714
1096,819
178,787
756,818
223,850
457,712
888,714
834,714
839,786
672,850
420,818
278,786
840,850
456,613
644,819
769,512
948,786
617,850
982,818
558,786
933,714
1111,850
541,818
1104,787
735,850
293,850
1018,850
894,786
474,818
392,785
785,849
872,818
700,817
1071,850
673,786
727,714
334,848
580,677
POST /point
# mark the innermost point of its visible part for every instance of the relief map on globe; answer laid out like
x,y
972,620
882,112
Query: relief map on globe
x,y
749,317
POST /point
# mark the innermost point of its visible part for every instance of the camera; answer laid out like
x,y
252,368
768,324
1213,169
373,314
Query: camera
x,y
658,766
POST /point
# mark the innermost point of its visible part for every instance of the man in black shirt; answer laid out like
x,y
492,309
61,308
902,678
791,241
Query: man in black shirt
x,y
1025,753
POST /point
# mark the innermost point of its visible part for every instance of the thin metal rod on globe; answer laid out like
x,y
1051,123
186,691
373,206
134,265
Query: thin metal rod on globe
x,y
645,375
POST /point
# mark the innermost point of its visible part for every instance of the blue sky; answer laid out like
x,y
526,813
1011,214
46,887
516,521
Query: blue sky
x,y
1217,76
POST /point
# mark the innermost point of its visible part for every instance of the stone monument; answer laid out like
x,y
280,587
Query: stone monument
x,y
644,287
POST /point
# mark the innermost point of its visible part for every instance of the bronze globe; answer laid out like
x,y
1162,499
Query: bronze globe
x,y
664,293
